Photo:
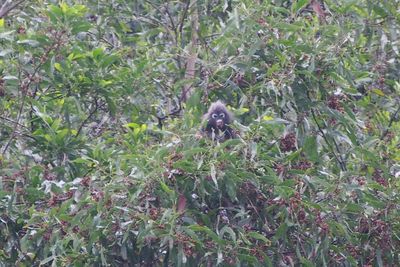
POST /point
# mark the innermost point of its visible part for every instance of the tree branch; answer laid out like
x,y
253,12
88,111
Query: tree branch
x,y
8,6
392,118
96,107
172,113
192,57
26,83
338,158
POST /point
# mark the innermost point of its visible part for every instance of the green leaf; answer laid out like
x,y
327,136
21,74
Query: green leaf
x,y
5,52
258,236
373,201
105,83
56,10
284,191
9,77
132,125
270,179
80,26
380,11
267,118
311,148
32,43
111,105
299,4
194,151
307,263
213,173
58,67
64,7
109,60
248,259
281,231
208,231
186,165
228,230
230,186
378,92
167,190
98,52
47,260
6,35
354,208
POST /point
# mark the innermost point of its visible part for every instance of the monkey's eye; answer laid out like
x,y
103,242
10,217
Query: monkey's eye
x,y
214,116
222,115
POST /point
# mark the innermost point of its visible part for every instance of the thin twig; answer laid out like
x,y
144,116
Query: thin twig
x,y
337,157
185,11
5,9
12,121
158,23
392,118
172,21
172,113
96,107
101,39
13,134
180,30
190,71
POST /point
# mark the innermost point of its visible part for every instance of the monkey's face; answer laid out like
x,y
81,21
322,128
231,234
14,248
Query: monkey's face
x,y
218,120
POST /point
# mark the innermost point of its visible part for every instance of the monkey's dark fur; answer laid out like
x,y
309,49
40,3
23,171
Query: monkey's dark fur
x,y
218,119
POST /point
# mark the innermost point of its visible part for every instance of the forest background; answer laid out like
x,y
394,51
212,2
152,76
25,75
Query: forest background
x,y
100,110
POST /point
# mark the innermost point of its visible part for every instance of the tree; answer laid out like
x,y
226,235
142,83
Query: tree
x,y
100,166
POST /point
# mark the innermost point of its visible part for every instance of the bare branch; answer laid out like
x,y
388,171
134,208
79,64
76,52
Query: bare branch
x,y
338,157
392,118
192,57
316,6
12,121
96,107
8,6
172,113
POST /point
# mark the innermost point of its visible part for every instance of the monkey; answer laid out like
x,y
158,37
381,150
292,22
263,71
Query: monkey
x,y
218,119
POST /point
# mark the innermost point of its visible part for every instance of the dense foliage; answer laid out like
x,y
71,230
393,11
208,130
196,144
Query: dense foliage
x,y
101,162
